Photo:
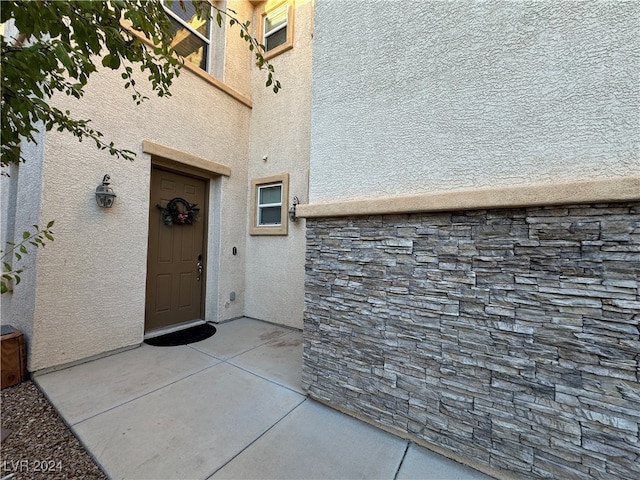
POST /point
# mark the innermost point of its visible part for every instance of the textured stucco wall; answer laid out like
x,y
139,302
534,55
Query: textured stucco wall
x,y
85,294
280,125
90,286
411,97
21,201
237,57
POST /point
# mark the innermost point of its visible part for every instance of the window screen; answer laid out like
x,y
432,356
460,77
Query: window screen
x,y
275,28
270,205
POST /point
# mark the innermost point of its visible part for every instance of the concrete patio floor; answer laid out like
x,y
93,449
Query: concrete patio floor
x,y
230,406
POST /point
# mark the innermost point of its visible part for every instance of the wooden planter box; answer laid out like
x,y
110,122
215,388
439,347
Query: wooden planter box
x,y
14,358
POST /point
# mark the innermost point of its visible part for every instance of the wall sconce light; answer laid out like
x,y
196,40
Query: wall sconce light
x,y
104,193
292,211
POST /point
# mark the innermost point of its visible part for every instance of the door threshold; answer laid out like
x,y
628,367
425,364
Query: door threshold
x,y
172,328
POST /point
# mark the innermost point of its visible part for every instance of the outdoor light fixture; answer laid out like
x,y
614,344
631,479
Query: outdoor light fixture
x,y
104,193
292,211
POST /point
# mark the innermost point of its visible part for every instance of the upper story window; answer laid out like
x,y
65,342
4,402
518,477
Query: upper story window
x,y
277,28
191,33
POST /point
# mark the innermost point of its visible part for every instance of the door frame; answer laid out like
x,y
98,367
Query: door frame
x,y
184,163
204,218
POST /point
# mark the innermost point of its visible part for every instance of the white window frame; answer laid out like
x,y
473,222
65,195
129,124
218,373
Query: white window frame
x,y
195,32
268,11
261,206
278,28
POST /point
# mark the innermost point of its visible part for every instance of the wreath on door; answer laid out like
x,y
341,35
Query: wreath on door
x,y
179,212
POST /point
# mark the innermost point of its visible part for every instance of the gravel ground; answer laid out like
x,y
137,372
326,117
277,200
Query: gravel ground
x,y
39,445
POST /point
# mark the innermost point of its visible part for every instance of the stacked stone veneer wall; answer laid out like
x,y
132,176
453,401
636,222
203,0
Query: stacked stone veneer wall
x,y
509,337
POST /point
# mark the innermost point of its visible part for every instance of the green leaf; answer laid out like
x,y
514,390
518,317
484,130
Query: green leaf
x,y
115,62
69,38
111,61
63,56
106,60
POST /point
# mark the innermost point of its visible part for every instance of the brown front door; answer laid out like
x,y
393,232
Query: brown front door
x,y
176,250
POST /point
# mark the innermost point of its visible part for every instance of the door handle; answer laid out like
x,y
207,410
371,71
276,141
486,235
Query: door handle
x,y
199,266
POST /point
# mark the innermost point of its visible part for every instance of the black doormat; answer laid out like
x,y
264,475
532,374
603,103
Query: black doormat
x,y
183,337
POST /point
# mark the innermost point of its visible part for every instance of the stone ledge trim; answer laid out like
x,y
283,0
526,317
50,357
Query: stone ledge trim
x,y
617,189
177,158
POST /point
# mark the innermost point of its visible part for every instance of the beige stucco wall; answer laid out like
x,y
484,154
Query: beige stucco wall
x,y
84,294
90,285
20,200
238,57
21,194
418,97
280,126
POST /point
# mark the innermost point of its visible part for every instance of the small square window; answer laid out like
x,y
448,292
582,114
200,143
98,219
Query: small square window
x,y
270,205
277,29
269,198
